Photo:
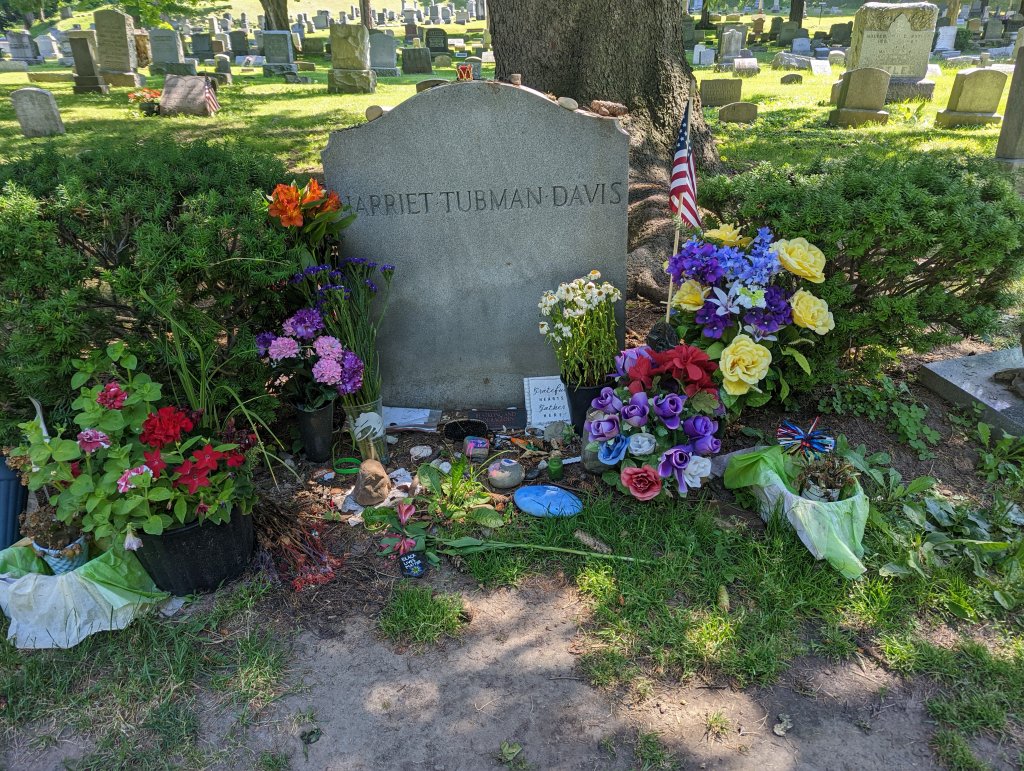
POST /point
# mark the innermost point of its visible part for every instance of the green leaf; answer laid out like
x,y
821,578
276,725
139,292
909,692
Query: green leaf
x,y
610,478
783,388
714,351
39,454
130,362
985,433
160,494
1003,599
798,357
892,569
82,486
179,509
153,525
111,421
79,379
919,485
65,450
487,516
757,399
115,350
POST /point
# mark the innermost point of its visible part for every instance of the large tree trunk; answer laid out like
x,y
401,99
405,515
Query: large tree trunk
x,y
275,13
796,11
365,16
622,52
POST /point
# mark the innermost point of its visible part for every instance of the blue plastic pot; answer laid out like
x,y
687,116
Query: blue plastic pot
x,y
13,497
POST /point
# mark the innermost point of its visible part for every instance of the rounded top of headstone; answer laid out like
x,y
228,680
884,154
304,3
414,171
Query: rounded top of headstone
x,y
880,16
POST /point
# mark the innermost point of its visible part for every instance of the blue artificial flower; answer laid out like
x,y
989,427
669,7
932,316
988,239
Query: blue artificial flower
x,y
613,451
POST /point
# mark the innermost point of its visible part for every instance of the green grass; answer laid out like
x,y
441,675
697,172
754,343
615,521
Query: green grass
x,y
955,753
418,615
133,693
651,754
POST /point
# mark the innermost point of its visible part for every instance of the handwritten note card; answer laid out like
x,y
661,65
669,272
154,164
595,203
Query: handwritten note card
x,y
545,401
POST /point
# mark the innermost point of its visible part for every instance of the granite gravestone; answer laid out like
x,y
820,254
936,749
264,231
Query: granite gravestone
x,y
88,79
185,95
860,98
47,46
436,41
23,48
731,43
202,45
738,112
718,92
974,98
383,55
898,39
350,60
535,196
37,112
115,41
143,49
278,52
416,61
1010,149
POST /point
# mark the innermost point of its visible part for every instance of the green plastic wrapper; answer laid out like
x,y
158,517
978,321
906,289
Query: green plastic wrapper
x,y
48,611
830,531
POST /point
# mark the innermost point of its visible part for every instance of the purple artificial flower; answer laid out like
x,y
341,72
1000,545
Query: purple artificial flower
x,y
625,360
351,374
669,407
327,371
714,324
602,429
697,260
263,341
304,324
328,347
700,425
706,445
635,413
673,463
608,402
283,348
613,451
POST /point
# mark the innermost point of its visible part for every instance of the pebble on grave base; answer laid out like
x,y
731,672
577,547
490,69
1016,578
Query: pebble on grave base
x,y
375,111
608,109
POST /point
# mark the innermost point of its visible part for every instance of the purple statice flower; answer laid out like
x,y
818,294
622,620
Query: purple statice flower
x,y
373,286
283,348
602,429
636,411
307,272
351,373
387,267
628,358
613,451
356,261
714,324
673,463
304,324
327,371
697,260
328,347
263,341
608,402
669,407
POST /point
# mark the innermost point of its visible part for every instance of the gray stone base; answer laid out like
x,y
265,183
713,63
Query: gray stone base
x,y
386,72
222,78
174,68
269,70
32,60
6,65
124,79
968,381
848,117
50,77
834,95
351,82
948,118
91,88
909,90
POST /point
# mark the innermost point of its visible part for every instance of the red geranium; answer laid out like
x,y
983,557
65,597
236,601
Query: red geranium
x,y
689,366
165,426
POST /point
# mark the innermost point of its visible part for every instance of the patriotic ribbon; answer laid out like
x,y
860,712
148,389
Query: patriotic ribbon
x,y
810,443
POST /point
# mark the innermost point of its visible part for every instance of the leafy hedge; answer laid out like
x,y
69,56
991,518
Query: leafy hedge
x,y
94,243
921,249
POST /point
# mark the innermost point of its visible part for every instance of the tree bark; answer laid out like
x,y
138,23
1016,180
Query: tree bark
x,y
953,12
275,14
593,49
365,16
796,11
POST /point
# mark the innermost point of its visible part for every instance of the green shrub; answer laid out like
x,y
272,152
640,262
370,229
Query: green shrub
x,y
921,250
95,243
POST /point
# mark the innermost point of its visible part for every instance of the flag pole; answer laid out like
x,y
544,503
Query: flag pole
x,y
675,242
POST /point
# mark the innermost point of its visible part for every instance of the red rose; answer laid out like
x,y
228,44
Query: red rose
x,y
643,483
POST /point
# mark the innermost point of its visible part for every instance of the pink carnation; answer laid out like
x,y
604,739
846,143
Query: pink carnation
x,y
328,347
283,348
327,371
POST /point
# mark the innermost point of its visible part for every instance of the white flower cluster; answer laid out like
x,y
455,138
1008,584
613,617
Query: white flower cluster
x,y
577,298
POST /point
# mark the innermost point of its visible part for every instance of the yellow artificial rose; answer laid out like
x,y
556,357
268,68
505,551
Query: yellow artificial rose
x,y
743,365
811,312
801,258
728,235
690,296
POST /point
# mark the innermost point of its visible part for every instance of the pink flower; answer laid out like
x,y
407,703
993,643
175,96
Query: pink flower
x,y
405,513
283,348
111,397
131,541
327,371
405,545
643,483
91,440
124,484
328,347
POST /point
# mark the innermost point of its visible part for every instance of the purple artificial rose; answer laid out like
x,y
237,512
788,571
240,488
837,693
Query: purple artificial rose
x,y
602,429
700,425
635,413
625,360
607,402
673,464
669,407
706,445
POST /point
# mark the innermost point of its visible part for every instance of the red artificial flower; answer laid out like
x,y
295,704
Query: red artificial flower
x,y
156,463
643,483
689,366
235,459
284,204
206,459
641,375
165,426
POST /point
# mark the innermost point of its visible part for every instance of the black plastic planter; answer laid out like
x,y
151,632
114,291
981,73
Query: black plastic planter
x,y
316,429
579,404
13,496
199,556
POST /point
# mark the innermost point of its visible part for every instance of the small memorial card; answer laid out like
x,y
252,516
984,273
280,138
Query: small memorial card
x,y
545,401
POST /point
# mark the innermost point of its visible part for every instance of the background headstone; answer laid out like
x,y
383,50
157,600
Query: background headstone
x,y
185,95
536,196
861,98
718,92
898,39
416,61
37,112
115,41
383,55
1010,149
88,79
974,98
350,61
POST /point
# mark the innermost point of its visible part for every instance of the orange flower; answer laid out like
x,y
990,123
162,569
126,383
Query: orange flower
x,y
313,192
333,203
284,204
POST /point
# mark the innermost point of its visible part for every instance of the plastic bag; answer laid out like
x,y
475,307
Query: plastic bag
x,y
830,531
48,611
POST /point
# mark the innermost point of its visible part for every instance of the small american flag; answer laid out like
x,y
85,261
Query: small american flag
x,y
682,193
210,95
